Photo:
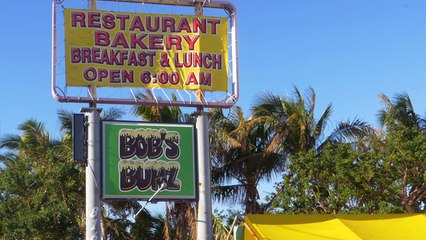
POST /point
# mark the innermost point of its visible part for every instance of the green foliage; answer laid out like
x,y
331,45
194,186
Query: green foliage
x,y
339,179
405,152
41,189
159,113
352,169
224,221
379,173
221,232
147,226
241,158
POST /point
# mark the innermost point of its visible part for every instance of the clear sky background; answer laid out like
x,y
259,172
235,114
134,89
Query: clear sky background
x,y
348,51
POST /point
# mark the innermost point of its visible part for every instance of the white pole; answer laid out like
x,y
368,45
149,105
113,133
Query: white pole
x,y
93,203
204,220
204,214
93,168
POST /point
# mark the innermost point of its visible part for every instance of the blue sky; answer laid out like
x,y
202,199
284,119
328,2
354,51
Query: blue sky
x,y
347,51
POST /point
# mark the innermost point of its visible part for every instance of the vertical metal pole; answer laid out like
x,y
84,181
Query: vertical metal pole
x,y
204,220
93,203
92,89
204,214
93,168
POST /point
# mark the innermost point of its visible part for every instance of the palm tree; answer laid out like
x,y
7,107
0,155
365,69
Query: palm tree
x,y
399,112
295,129
34,138
403,147
45,166
241,157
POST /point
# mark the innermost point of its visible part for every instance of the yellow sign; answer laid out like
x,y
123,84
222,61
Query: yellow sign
x,y
116,49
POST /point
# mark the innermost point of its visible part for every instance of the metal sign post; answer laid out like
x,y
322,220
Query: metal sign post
x,y
204,211
93,167
93,205
204,219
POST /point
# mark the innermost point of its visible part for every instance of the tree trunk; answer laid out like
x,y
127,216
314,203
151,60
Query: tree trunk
x,y
83,222
104,227
167,235
252,207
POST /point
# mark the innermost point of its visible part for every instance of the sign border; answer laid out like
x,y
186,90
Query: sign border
x,y
227,102
157,197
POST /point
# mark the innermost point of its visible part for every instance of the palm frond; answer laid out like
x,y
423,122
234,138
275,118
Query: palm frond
x,y
65,119
11,142
229,193
157,113
400,111
267,105
219,230
8,159
322,122
34,129
112,114
382,115
298,95
349,131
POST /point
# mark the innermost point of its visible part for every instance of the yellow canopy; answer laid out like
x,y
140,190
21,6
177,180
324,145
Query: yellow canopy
x,y
335,227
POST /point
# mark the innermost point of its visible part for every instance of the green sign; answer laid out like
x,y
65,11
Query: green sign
x,y
141,158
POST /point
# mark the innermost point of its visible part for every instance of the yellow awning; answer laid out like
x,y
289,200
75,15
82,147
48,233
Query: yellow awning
x,y
335,227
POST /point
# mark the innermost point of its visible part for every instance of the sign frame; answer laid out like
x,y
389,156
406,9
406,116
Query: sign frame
x,y
187,98
140,196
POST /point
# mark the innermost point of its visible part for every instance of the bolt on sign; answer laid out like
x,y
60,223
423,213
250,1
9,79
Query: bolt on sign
x,y
117,49
138,158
